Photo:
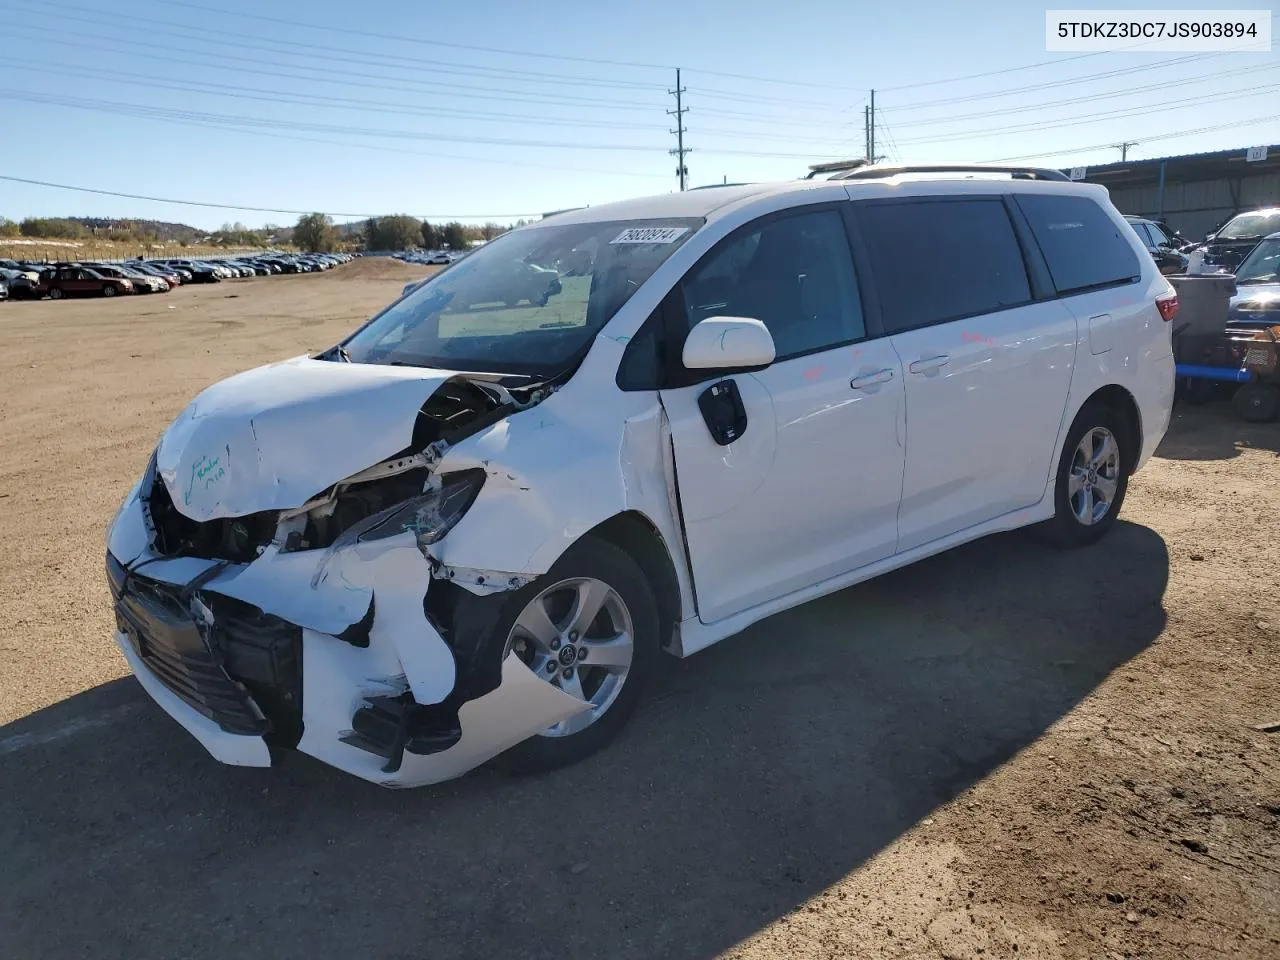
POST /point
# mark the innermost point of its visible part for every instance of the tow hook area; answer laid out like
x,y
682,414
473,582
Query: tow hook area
x,y
388,726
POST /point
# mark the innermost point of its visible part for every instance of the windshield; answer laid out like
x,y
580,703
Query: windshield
x,y
527,302
1250,225
1261,265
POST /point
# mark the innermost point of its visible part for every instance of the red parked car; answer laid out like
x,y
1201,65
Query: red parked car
x,y
59,282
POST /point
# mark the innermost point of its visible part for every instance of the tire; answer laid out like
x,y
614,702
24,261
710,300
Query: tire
x,y
55,293
601,562
1108,480
108,291
1257,402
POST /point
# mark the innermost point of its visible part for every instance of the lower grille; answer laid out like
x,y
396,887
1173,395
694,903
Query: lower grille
x,y
244,672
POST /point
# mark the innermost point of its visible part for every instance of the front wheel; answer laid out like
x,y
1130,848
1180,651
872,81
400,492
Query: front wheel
x,y
108,291
589,627
1092,476
55,293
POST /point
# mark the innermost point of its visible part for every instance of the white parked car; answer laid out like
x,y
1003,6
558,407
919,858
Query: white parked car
x,y
472,527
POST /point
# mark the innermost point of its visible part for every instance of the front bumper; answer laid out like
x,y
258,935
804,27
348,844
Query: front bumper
x,y
217,656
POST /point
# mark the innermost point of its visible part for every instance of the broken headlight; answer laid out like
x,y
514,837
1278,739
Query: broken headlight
x,y
429,515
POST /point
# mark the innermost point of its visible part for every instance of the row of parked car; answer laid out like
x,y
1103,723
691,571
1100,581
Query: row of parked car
x,y
440,257
1224,248
28,280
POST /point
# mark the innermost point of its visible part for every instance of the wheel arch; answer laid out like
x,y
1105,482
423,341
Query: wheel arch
x,y
635,534
1122,402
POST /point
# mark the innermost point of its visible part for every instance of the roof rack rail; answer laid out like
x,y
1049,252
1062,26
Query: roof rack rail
x,y
892,170
835,166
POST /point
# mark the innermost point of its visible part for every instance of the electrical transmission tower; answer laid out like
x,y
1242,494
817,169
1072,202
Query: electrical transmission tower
x,y
682,171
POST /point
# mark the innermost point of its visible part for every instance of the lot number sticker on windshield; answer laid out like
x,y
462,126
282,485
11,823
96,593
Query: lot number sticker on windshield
x,y
650,235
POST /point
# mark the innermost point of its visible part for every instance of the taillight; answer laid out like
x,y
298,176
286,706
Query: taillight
x,y
1168,306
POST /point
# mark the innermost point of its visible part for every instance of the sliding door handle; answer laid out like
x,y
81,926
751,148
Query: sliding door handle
x,y
929,364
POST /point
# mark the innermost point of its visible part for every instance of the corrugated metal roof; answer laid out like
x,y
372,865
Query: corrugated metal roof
x,y
1215,163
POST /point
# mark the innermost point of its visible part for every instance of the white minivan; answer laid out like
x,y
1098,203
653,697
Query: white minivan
x,y
472,527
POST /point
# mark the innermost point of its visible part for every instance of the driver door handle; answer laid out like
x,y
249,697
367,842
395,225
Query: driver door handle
x,y
871,379
929,364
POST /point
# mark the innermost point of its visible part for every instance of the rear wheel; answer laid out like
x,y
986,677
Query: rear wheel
x,y
1092,476
589,627
55,293
1257,402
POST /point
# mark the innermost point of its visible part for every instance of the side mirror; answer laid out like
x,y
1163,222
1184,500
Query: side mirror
x,y
728,343
1209,236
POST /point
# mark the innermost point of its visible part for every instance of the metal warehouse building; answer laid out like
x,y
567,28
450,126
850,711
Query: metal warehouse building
x,y
1195,192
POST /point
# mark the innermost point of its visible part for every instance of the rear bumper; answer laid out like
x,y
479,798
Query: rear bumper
x,y
1154,395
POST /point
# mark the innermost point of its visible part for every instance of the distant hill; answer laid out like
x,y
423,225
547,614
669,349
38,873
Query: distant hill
x,y
163,231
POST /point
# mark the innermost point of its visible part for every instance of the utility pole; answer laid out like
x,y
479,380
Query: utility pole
x,y
871,129
682,172
866,133
1124,149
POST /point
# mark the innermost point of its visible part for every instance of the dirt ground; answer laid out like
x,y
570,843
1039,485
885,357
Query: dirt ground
x,y
1005,751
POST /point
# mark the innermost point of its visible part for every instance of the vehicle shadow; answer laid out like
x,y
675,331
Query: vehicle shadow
x,y
756,775
1213,432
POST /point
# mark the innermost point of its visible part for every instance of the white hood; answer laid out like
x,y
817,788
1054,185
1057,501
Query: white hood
x,y
273,437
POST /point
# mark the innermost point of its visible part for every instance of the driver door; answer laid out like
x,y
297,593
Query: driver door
x,y
810,489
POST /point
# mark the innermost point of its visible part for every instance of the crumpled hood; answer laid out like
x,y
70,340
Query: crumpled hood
x,y
273,437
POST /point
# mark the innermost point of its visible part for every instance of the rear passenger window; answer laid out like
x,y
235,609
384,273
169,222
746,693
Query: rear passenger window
x,y
794,274
940,261
1084,248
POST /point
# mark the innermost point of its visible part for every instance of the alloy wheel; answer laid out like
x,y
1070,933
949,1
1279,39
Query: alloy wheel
x,y
577,635
1095,476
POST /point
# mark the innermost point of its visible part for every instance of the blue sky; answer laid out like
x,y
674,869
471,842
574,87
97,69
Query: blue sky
x,y
301,107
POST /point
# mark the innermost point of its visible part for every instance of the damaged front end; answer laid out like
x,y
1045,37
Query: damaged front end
x,y
276,585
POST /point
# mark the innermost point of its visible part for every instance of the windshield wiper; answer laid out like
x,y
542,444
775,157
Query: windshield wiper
x,y
342,352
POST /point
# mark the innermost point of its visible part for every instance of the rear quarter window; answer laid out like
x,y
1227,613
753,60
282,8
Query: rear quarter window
x,y
1084,248
936,261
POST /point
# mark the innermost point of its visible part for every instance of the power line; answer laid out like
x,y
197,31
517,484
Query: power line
x,y
1090,98
1030,66
162,113
364,105
523,162
1049,85
1084,78
302,99
347,31
327,75
350,31
350,78
1159,107
480,72
1163,136
204,32
230,206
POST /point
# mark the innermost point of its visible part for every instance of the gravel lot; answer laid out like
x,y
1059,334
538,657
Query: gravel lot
x,y
1003,751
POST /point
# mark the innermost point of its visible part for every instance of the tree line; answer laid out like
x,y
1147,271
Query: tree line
x,y
316,232
134,231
